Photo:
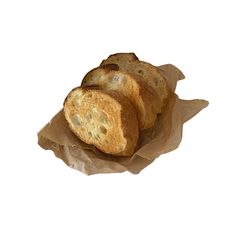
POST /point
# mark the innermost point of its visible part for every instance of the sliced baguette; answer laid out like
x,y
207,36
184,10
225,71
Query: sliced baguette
x,y
141,95
130,63
104,119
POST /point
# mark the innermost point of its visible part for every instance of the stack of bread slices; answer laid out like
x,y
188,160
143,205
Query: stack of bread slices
x,y
115,102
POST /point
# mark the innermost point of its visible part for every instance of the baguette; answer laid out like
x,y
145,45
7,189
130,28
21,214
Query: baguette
x,y
141,95
105,119
130,63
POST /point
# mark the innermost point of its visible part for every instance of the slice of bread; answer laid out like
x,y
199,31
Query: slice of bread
x,y
130,63
141,95
105,119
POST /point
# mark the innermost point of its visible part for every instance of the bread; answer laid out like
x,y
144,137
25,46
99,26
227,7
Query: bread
x,y
121,59
141,95
105,119
130,63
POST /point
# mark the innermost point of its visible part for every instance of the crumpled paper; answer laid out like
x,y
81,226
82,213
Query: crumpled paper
x,y
164,137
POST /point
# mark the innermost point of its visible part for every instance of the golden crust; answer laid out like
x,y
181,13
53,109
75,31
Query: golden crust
x,y
120,59
147,71
142,96
105,119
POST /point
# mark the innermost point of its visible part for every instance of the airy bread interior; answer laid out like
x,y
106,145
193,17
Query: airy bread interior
x,y
141,95
102,118
115,101
130,63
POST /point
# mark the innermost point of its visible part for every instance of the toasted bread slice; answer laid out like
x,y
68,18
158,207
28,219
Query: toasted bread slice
x,y
141,95
129,62
105,119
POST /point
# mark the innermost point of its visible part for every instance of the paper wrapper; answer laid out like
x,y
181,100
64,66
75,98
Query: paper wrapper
x,y
164,137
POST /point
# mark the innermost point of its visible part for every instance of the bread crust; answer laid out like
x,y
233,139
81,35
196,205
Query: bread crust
x,y
142,96
147,71
105,119
120,58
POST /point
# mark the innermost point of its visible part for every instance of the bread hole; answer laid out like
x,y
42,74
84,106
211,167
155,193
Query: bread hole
x,y
115,78
103,120
94,109
79,93
103,117
140,72
76,120
90,134
77,101
121,147
103,129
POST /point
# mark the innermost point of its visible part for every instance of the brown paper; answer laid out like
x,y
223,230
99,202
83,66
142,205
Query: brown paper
x,y
164,137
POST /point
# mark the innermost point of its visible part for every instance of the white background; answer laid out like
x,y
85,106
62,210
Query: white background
x,y
46,47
